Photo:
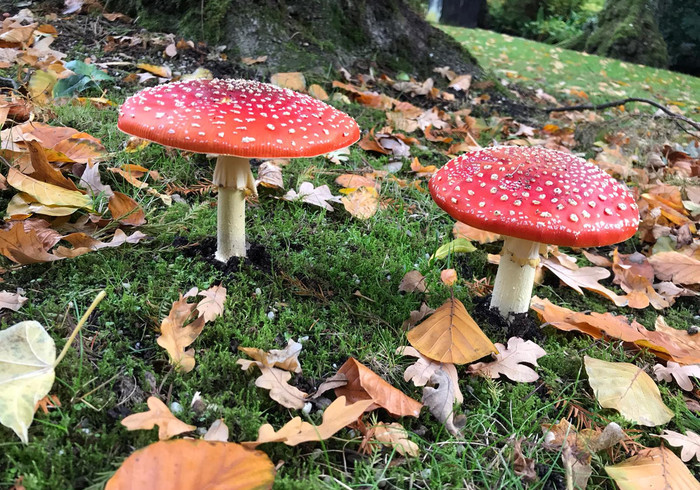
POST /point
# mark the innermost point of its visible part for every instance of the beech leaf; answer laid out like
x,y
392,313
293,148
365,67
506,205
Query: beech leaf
x,y
627,389
157,414
509,361
653,468
676,267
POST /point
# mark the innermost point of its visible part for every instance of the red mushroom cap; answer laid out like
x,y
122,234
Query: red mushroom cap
x,y
242,118
536,194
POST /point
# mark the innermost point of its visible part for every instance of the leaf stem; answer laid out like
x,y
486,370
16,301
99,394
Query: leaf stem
x,y
80,324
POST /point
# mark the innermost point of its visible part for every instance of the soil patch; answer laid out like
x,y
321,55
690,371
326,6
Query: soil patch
x,y
257,255
496,327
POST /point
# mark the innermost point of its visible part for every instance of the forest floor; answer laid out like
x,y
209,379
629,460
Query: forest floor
x,y
330,279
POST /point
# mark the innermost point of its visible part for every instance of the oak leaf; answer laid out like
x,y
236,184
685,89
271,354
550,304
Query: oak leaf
x,y
336,416
417,315
676,267
177,334
364,384
690,442
157,414
627,389
585,277
395,436
681,374
277,382
423,369
212,306
655,467
509,361
190,463
287,358
441,400
450,335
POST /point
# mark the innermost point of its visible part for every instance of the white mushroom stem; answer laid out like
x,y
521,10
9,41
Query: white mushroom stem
x,y
512,289
233,177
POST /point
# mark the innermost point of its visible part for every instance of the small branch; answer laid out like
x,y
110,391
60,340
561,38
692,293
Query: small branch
x,y
80,324
614,103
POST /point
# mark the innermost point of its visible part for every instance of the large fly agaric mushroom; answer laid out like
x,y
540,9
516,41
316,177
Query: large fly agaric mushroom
x,y
533,196
236,120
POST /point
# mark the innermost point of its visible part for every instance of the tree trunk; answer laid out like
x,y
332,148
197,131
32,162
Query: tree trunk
x,y
310,35
465,13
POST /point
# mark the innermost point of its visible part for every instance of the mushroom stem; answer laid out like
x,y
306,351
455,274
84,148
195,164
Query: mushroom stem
x,y
233,177
515,278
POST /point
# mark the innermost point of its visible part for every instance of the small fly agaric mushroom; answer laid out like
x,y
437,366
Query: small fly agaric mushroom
x,y
236,120
533,196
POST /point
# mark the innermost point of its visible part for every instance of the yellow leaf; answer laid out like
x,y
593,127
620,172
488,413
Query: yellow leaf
x,y
41,86
653,468
157,414
48,194
291,80
161,71
27,355
190,463
627,389
23,204
451,335
362,203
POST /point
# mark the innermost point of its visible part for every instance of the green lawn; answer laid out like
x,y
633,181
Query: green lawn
x,y
562,73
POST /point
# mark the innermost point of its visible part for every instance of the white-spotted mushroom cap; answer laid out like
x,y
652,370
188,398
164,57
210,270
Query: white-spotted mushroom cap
x,y
242,118
536,194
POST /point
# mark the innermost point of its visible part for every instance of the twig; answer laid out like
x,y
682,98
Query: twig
x,y
615,103
80,324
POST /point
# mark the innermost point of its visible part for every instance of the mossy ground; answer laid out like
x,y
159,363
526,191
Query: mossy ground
x,y
318,260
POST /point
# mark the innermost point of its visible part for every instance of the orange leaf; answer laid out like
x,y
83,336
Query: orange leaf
x,y
656,467
462,230
190,463
292,80
157,414
585,277
369,142
364,384
666,342
176,336
451,335
676,267
354,181
125,210
24,246
161,71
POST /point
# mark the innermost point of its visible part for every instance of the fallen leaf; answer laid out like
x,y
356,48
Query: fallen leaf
x,y
291,80
510,361
681,374
217,432
190,463
676,267
585,277
90,180
83,243
157,414
666,342
212,306
287,358
318,196
448,277
462,230
270,176
336,416
24,246
160,71
458,245
364,384
690,442
413,281
653,468
461,83
627,389
417,315
522,466
125,210
11,301
177,334
395,436
251,61
362,203
423,369
441,400
450,335
276,381
48,194
27,355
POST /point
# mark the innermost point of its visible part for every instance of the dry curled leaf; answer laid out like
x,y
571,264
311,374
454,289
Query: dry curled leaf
x,y
277,382
178,330
364,384
11,301
287,358
212,305
627,389
676,267
509,361
450,335
320,196
441,400
217,432
585,277
413,281
362,203
462,230
157,414
395,436
674,371
689,442
191,463
125,210
423,369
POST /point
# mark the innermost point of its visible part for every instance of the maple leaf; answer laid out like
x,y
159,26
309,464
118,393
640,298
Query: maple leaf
x,y
450,335
157,414
191,463
629,390
364,384
681,374
176,336
277,382
509,361
336,416
690,442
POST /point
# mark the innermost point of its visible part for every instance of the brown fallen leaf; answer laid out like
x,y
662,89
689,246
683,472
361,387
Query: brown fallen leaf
x,y
509,361
212,305
292,80
653,468
276,381
522,466
462,230
157,414
585,277
417,315
364,384
287,358
125,210
676,267
627,389
413,281
270,176
158,70
450,335
666,342
24,246
423,369
178,330
83,243
11,301
335,417
362,203
191,463
690,442
441,401
395,436
674,371
217,432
